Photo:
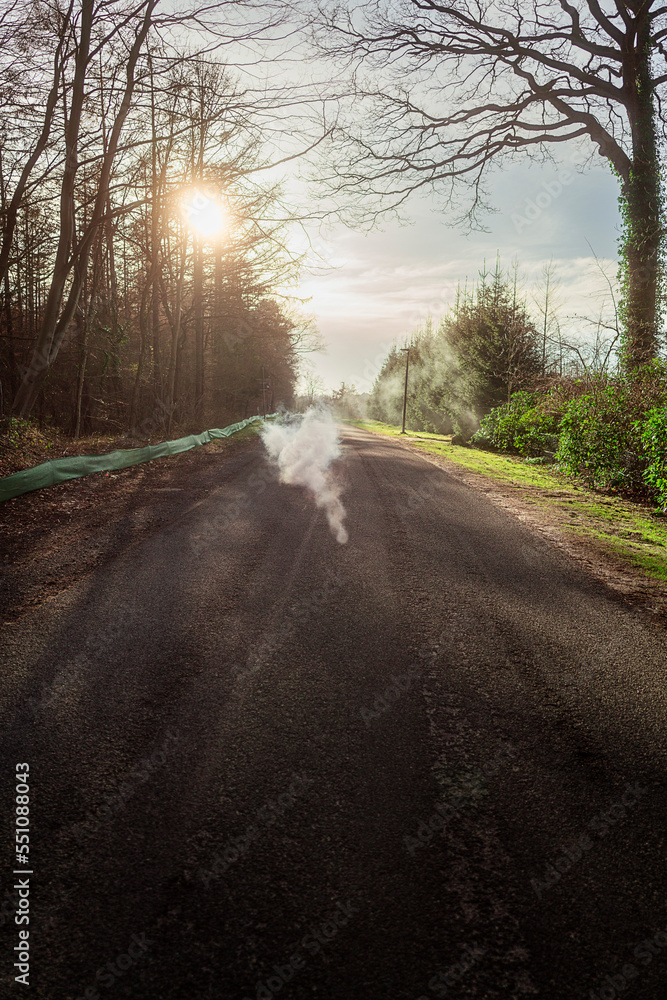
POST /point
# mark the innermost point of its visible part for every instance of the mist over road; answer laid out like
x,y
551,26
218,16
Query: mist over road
x,y
428,762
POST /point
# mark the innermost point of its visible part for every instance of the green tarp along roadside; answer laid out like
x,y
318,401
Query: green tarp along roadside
x,y
59,470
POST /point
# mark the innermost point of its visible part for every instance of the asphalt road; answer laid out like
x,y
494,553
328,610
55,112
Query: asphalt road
x,y
427,763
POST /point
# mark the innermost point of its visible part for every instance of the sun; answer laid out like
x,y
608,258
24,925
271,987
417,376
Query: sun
x,y
205,215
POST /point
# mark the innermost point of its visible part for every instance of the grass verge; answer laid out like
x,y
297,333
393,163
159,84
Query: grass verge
x,y
629,532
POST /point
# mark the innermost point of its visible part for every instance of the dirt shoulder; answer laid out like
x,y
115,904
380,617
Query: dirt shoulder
x,y
51,538
622,543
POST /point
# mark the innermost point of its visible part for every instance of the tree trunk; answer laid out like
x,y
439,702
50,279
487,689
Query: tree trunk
x,y
643,224
47,344
199,328
81,375
174,318
11,355
143,334
11,210
156,193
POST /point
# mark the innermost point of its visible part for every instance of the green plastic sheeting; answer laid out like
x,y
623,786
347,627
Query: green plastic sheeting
x,y
61,469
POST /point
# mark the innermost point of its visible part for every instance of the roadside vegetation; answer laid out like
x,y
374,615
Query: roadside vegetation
x,y
610,430
507,381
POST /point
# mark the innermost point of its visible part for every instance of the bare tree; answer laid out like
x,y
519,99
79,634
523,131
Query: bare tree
x,y
30,104
547,299
591,353
71,258
93,112
314,385
453,87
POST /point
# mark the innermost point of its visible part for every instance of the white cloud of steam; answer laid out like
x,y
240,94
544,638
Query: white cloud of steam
x,y
303,446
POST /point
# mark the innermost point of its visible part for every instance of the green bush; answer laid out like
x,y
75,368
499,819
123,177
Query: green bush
x,y
598,442
610,430
526,426
601,433
654,442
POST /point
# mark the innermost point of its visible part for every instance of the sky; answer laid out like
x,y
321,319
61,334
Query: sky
x,y
382,285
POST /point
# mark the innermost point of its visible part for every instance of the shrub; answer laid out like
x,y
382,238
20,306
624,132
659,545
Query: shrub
x,y
601,432
526,425
611,430
654,442
17,432
598,442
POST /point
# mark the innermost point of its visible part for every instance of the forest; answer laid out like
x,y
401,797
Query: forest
x,y
146,283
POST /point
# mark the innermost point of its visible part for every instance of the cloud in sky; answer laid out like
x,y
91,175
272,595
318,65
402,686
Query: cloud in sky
x,y
386,283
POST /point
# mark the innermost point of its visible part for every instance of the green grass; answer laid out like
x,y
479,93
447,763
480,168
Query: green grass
x,y
628,531
503,467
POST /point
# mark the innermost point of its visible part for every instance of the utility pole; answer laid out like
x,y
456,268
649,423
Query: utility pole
x,y
264,388
405,391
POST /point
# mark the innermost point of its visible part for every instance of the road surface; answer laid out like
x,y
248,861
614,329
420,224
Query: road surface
x,y
427,763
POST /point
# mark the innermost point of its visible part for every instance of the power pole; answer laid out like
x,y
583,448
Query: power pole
x,y
405,391
265,385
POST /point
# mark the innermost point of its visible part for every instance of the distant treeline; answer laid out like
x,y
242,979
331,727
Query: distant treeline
x,y
489,345
505,382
